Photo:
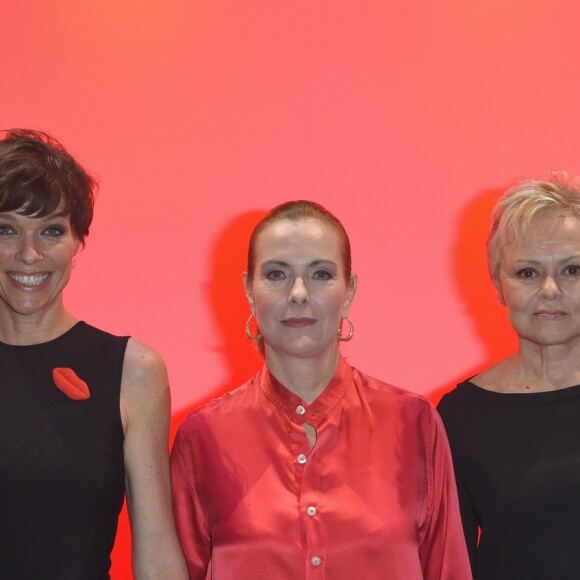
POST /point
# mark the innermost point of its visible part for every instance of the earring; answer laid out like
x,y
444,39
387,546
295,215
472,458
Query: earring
x,y
350,330
249,334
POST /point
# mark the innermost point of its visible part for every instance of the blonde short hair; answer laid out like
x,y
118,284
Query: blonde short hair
x,y
518,206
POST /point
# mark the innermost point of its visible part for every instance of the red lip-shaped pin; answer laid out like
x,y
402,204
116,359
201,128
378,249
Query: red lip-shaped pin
x,y
70,384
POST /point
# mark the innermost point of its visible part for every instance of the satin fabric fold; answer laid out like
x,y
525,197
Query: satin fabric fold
x,y
374,498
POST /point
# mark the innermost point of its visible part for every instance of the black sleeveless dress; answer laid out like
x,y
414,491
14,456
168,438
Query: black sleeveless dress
x,y
61,460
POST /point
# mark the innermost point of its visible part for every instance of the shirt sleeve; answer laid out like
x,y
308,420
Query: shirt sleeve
x,y
449,412
190,520
442,546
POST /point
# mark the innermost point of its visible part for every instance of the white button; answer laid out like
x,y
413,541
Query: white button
x,y
316,560
311,511
302,458
300,410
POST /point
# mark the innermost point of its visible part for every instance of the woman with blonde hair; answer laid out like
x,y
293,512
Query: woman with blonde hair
x,y
514,429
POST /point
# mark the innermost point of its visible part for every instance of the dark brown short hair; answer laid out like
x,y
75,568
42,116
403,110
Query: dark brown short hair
x,y
37,175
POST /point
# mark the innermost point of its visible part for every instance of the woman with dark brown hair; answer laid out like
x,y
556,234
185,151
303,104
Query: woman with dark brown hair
x,y
84,415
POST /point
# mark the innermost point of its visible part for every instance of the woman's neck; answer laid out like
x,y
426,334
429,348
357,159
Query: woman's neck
x,y
305,377
534,368
18,329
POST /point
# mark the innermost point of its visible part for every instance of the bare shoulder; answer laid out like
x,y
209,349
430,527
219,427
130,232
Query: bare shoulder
x,y
144,384
143,367
145,410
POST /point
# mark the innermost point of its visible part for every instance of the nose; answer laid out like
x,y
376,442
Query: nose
x,y
29,251
298,292
550,288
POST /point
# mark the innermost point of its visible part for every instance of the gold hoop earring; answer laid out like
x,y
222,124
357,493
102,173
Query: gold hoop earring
x,y
350,330
249,334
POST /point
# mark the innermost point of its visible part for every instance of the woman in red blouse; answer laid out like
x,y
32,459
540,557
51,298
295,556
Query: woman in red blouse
x,y
312,469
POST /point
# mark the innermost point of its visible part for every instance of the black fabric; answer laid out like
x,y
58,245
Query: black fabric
x,y
517,464
61,460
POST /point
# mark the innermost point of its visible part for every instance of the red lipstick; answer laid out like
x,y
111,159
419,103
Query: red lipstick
x,y
298,322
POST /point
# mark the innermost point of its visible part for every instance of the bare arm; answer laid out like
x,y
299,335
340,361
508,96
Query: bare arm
x,y
145,409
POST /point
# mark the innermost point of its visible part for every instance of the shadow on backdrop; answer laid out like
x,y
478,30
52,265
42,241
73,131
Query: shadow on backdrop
x,y
230,309
489,317
240,357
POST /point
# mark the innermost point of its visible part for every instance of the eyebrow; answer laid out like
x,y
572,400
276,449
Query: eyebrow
x,y
322,263
314,263
559,261
10,217
275,263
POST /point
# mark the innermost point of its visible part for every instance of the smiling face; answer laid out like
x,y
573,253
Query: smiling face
x,y
539,281
35,262
299,291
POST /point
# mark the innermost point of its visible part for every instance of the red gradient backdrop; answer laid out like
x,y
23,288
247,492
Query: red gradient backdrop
x,y
406,119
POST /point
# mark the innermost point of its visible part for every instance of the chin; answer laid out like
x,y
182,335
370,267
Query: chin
x,y
547,340
310,349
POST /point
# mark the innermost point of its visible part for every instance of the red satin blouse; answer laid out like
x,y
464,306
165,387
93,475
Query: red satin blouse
x,y
374,498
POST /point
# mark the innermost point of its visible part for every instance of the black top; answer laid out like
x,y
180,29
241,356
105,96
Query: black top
x,y
61,460
517,463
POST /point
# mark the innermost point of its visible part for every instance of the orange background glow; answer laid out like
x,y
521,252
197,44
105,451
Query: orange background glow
x,y
405,119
